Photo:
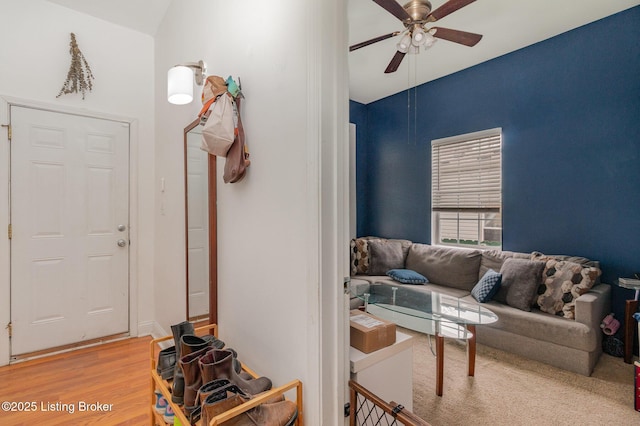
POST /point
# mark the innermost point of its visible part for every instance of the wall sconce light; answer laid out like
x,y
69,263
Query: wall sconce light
x,y
180,81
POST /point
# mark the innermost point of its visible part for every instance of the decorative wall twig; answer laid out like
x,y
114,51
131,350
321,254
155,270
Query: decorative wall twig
x,y
78,78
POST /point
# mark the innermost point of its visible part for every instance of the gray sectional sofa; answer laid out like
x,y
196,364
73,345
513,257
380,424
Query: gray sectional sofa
x,y
553,317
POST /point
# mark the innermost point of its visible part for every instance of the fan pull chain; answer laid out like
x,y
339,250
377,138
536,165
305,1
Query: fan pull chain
x,y
412,82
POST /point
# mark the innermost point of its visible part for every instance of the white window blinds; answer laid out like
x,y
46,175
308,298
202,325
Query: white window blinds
x,y
466,173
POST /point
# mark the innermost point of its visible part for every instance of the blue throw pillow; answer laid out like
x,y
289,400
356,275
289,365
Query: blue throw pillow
x,y
407,276
487,287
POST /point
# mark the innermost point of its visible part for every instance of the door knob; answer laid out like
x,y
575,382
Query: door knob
x,y
122,243
122,228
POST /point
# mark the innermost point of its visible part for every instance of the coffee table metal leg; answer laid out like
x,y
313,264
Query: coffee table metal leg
x,y
471,350
439,363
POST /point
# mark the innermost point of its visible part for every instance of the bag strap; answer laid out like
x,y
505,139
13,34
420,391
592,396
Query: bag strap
x,y
240,130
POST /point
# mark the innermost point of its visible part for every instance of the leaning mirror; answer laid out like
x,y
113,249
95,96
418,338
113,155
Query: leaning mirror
x,y
200,214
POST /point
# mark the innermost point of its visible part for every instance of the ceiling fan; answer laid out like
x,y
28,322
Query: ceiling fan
x,y
415,15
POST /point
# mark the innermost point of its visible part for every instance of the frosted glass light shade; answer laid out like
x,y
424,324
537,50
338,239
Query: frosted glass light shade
x,y
180,85
404,43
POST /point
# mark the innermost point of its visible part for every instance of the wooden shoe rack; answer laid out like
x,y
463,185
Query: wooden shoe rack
x,y
164,386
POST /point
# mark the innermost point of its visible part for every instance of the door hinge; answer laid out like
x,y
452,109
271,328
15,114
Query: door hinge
x,y
10,231
9,327
8,126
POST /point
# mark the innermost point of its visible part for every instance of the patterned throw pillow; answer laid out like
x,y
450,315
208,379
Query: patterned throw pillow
x,y
563,282
407,276
487,287
360,255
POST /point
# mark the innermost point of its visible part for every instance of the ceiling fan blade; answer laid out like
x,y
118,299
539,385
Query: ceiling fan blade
x,y
456,36
394,8
395,62
373,40
447,9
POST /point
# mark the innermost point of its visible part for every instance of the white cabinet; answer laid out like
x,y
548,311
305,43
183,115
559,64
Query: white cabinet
x,y
387,372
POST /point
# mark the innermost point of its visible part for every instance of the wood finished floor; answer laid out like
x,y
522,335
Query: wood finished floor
x,y
114,373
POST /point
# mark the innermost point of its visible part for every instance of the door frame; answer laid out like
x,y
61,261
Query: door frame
x,y
5,247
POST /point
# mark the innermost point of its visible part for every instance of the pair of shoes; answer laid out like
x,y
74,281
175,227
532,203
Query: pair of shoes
x,y
219,364
193,343
206,365
161,403
274,412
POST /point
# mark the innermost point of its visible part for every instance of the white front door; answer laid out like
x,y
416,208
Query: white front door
x,y
70,226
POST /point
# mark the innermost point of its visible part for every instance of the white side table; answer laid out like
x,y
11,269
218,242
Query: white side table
x,y
387,372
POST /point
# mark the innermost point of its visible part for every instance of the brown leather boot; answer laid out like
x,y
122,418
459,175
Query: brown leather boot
x,y
283,413
221,367
205,391
190,343
192,378
221,400
177,385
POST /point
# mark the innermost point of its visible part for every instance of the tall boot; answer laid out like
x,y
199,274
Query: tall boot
x,y
192,377
208,374
221,367
177,386
190,343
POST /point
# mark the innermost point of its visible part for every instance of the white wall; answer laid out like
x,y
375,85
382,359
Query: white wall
x,y
34,59
280,230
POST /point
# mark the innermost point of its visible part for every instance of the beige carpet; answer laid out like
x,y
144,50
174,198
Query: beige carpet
x,y
511,390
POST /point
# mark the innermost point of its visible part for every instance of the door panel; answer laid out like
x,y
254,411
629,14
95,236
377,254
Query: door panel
x,y
69,193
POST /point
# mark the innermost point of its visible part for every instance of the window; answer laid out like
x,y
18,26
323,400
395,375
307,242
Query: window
x,y
466,190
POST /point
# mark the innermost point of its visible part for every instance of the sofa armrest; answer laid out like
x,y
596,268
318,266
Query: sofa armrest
x,y
594,305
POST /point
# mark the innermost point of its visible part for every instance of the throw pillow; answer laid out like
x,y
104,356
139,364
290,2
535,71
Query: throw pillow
x,y
520,281
385,255
563,282
360,255
487,287
407,276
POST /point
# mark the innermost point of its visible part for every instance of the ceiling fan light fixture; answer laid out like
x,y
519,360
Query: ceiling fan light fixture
x,y
419,37
404,43
429,40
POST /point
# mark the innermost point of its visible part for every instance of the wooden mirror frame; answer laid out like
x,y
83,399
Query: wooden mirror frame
x,y
213,234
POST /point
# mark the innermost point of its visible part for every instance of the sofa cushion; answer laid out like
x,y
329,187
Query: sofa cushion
x,y
361,256
563,282
487,287
447,266
520,281
407,276
493,259
385,255
542,326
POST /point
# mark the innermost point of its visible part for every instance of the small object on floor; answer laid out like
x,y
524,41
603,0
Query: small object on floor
x,y
613,346
161,403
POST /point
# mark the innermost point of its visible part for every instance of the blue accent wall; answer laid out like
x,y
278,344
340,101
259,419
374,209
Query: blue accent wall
x,y
358,116
569,108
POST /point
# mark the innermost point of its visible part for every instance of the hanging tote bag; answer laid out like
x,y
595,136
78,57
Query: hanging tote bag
x,y
237,160
219,129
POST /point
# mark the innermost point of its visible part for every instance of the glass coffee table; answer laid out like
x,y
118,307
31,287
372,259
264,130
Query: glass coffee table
x,y
431,313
